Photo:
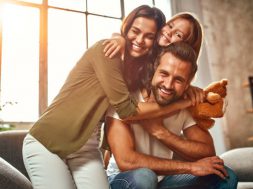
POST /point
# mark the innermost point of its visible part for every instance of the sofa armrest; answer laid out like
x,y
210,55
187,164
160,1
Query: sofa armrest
x,y
240,160
11,178
11,143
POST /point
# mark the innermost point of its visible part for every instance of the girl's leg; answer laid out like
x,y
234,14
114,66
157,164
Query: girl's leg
x,y
45,169
88,170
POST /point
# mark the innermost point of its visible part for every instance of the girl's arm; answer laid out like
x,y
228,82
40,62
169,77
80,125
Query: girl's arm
x,y
114,45
150,110
195,94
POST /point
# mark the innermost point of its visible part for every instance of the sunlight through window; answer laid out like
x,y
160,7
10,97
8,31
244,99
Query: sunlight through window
x,y
41,41
32,1
108,26
20,55
66,44
78,5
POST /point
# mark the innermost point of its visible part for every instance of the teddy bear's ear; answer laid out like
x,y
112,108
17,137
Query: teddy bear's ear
x,y
213,97
224,82
218,87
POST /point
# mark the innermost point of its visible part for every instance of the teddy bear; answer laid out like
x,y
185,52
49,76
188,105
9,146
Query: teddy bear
x,y
213,105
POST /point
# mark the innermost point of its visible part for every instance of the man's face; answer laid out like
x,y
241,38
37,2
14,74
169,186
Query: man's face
x,y
140,37
171,79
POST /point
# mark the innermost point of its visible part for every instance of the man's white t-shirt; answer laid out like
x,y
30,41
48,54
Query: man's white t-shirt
x,y
147,144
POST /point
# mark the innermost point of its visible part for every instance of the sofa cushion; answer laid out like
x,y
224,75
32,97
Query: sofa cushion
x,y
245,185
11,143
11,178
241,161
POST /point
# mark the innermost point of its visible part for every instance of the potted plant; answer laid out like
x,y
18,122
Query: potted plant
x,y
3,125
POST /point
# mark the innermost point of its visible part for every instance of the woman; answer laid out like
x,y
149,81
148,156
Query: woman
x,y
61,149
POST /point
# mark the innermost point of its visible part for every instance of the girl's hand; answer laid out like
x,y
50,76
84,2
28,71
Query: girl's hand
x,y
195,94
114,46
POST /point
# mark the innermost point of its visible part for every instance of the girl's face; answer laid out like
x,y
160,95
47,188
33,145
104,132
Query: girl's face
x,y
141,36
176,30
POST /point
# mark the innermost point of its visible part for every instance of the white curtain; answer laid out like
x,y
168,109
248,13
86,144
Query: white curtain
x,y
204,76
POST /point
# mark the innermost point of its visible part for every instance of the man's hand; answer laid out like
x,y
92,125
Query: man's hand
x,y
209,165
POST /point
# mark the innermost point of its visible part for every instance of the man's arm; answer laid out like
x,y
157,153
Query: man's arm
x,y
196,143
121,141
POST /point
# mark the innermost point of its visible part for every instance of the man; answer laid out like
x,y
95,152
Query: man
x,y
143,151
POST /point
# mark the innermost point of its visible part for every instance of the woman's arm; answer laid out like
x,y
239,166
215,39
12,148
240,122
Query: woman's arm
x,y
150,110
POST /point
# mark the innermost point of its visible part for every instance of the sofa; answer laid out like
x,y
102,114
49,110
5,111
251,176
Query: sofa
x,y
241,161
13,174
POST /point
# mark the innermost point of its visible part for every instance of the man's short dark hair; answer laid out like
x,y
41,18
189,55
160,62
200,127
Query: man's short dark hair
x,y
182,51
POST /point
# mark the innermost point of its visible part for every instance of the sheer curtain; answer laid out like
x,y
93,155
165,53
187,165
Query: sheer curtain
x,y
203,76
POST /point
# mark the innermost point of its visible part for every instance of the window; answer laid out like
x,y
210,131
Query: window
x,y
41,40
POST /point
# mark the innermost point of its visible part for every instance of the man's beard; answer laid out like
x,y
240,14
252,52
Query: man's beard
x,y
161,101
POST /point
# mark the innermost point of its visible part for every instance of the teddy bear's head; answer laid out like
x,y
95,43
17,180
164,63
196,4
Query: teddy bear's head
x,y
212,107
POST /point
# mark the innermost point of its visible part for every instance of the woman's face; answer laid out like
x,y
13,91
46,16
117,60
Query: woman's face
x,y
176,30
140,37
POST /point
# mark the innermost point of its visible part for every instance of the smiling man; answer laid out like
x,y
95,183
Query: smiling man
x,y
142,153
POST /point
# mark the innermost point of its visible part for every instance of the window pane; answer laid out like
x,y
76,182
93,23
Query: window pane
x,y
132,4
69,4
108,7
165,6
66,44
20,60
32,1
101,28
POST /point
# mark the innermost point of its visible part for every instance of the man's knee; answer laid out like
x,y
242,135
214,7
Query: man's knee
x,y
135,179
232,179
145,178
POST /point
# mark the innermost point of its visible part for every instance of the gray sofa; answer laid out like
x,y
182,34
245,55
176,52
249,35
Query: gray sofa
x,y
241,161
13,174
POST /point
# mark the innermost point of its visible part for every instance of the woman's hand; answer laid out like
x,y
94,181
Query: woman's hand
x,y
114,45
195,94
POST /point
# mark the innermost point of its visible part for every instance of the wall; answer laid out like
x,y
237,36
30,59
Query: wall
x,y
229,36
228,53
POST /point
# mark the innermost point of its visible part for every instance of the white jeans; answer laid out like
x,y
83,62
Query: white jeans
x,y
84,170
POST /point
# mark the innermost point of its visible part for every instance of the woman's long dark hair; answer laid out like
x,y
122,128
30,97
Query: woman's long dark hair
x,y
137,75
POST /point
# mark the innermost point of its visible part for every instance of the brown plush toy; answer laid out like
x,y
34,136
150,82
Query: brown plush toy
x,y
212,107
